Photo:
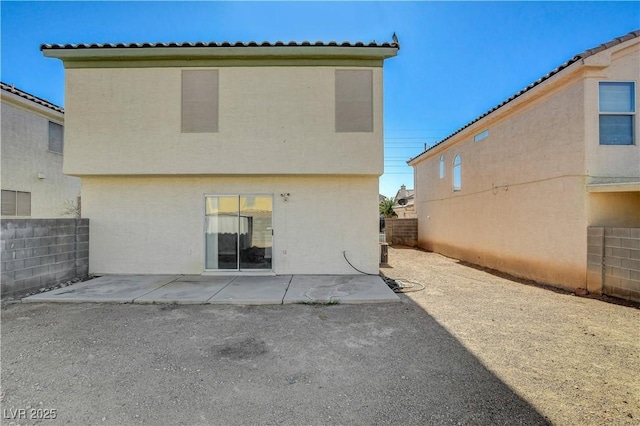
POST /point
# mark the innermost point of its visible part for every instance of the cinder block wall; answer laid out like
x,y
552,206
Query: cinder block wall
x,y
613,262
401,231
39,253
595,259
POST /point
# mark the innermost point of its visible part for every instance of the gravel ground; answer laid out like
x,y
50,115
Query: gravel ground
x,y
471,349
575,359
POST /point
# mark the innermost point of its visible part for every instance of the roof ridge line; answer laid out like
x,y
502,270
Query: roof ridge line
x,y
279,43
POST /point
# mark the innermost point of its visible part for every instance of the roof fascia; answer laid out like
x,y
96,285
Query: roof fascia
x,y
220,63
222,56
605,57
33,107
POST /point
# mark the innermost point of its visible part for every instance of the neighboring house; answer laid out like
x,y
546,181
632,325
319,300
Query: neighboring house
x,y
207,157
33,184
404,203
517,188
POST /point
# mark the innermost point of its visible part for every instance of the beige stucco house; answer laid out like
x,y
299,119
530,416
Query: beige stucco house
x,y
219,157
404,203
518,188
33,185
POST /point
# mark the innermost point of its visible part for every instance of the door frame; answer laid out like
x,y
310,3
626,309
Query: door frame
x,y
237,271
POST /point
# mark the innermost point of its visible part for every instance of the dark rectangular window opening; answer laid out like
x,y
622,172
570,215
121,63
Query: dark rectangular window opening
x,y
199,101
15,203
56,137
616,129
354,100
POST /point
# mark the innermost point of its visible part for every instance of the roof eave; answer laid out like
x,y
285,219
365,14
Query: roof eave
x,y
580,60
249,52
22,98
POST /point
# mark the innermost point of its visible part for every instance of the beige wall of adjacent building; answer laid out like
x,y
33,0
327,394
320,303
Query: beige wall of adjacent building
x,y
408,212
613,163
272,120
25,153
155,225
524,206
614,209
606,163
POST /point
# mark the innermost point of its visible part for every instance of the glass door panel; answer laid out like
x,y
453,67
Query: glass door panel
x,y
221,233
256,235
238,232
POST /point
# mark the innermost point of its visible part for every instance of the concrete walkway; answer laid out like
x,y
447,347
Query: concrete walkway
x,y
243,290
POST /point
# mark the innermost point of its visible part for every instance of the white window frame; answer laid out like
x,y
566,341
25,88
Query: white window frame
x,y
442,167
482,135
631,113
18,206
457,174
238,270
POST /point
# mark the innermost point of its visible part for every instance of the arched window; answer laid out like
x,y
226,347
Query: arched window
x,y
457,174
442,167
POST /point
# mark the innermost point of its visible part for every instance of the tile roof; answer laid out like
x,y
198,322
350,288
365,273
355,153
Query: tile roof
x,y
11,89
580,56
395,44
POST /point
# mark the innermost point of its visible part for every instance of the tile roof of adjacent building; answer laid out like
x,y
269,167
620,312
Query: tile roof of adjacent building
x,y
395,44
583,55
11,89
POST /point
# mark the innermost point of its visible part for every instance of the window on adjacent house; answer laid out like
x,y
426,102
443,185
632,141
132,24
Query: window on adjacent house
x,y
15,203
481,135
199,101
457,174
442,167
56,137
354,100
617,113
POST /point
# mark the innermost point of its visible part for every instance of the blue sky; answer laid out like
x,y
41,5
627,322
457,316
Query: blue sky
x,y
458,59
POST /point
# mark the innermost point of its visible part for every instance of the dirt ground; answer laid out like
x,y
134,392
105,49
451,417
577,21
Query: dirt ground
x,y
574,359
470,349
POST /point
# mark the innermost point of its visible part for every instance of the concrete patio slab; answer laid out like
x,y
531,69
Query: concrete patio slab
x,y
108,288
220,289
187,289
339,288
253,290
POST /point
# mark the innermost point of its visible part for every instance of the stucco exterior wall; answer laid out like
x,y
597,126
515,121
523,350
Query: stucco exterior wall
x,y
615,209
528,191
272,120
25,153
522,206
612,163
405,212
155,225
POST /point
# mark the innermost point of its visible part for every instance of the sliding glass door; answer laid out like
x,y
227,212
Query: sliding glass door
x,y
238,232
221,233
